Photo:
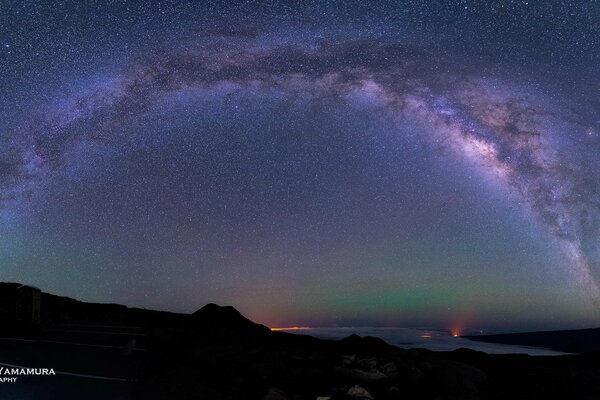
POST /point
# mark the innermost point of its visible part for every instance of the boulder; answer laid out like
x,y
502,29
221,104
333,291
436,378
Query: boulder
x,y
409,372
275,394
394,393
367,363
390,370
467,372
348,360
359,375
358,393
371,376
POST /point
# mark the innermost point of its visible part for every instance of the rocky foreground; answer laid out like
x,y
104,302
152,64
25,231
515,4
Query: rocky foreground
x,y
219,354
216,353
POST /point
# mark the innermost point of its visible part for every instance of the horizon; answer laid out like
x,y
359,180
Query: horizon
x,y
456,330
395,164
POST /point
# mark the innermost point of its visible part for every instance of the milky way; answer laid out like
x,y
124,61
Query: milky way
x,y
522,135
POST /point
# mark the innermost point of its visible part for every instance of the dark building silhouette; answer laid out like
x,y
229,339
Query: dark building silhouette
x,y
19,304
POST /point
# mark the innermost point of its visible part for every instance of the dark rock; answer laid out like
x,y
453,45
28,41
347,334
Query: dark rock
x,y
367,344
413,354
468,372
447,380
366,363
390,370
585,380
371,376
407,371
394,393
425,366
349,360
275,394
468,387
356,392
356,374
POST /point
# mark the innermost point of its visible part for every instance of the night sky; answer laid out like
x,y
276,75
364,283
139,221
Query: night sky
x,y
407,163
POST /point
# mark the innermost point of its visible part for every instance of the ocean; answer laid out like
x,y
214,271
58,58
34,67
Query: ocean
x,y
432,339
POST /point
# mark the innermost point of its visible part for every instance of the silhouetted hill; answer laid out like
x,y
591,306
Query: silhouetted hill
x,y
569,341
213,315
224,323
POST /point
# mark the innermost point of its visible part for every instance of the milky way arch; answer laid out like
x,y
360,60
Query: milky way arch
x,y
506,131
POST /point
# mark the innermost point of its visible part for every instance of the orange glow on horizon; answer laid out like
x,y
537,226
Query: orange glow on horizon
x,y
292,328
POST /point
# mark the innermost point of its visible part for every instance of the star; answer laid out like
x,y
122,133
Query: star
x,y
383,162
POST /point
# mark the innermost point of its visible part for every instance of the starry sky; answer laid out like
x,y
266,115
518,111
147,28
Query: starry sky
x,y
320,163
